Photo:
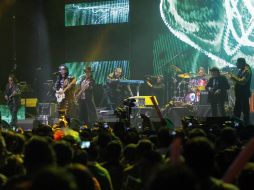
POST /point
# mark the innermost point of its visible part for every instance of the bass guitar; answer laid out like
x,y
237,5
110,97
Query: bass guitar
x,y
10,98
60,94
83,88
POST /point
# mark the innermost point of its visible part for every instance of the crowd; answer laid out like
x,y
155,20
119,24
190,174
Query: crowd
x,y
68,156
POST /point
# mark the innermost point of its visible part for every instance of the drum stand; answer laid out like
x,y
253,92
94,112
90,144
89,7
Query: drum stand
x,y
180,91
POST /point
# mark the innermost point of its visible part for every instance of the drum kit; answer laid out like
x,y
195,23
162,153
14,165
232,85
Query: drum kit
x,y
189,87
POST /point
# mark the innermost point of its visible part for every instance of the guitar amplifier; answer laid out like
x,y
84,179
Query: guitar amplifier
x,y
47,109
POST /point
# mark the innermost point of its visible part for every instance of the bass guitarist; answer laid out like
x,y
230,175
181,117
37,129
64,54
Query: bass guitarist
x,y
12,96
85,98
64,87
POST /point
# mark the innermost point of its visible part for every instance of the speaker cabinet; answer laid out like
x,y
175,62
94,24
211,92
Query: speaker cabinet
x,y
47,109
26,125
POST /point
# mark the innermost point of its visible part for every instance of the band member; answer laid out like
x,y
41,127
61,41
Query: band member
x,y
201,72
157,88
115,91
64,87
217,87
242,89
200,82
84,96
12,96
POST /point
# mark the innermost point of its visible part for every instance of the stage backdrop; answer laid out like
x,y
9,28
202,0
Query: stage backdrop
x,y
97,35
204,33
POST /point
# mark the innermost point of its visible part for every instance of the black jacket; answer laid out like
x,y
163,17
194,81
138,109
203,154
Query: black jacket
x,y
221,84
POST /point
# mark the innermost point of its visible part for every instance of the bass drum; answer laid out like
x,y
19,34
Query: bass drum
x,y
190,98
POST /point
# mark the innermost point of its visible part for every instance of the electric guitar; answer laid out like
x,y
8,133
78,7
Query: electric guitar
x,y
60,94
83,88
9,99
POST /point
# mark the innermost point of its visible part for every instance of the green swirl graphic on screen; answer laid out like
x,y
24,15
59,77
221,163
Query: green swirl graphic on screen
x,y
221,29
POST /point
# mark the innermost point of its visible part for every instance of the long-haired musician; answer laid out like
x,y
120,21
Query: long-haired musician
x,y
12,96
85,98
64,87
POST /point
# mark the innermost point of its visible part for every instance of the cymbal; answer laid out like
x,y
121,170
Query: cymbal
x,y
184,75
177,69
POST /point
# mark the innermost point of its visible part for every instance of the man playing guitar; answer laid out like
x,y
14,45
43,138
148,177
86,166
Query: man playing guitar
x,y
64,91
11,95
85,98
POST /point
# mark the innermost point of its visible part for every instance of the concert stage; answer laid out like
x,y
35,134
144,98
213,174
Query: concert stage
x,y
175,114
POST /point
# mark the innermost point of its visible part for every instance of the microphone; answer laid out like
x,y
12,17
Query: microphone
x,y
56,73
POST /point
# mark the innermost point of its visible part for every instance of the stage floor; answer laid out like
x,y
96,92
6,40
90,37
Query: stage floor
x,y
175,114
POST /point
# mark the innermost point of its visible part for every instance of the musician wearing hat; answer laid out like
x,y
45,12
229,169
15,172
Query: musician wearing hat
x,y
217,87
242,89
85,98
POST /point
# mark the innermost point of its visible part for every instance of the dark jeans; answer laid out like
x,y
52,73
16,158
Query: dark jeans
x,y
14,111
242,106
218,105
87,111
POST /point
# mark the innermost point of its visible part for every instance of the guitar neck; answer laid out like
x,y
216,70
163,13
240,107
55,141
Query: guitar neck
x,y
69,85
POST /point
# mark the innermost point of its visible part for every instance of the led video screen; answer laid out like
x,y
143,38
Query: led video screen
x,y
94,13
204,33
100,69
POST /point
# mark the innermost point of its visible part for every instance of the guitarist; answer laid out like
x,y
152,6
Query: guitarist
x,y
12,96
217,87
65,84
84,96
242,83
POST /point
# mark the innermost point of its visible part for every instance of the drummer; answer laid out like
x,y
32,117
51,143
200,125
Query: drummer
x,y
201,72
201,81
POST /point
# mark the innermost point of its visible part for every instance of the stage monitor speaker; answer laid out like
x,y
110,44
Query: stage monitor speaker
x,y
26,125
49,109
